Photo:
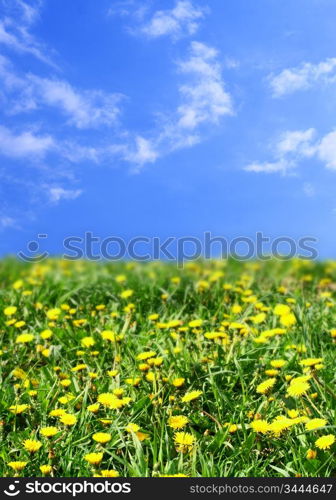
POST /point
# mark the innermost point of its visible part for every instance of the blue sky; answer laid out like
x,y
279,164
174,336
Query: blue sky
x,y
164,118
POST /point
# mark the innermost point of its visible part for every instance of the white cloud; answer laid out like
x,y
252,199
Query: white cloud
x,y
29,12
280,166
76,153
24,144
294,146
183,19
204,101
128,8
6,222
7,75
204,96
303,77
291,147
297,141
14,29
85,108
143,152
57,194
326,150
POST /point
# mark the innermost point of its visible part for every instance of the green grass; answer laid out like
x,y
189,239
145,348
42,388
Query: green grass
x,y
227,370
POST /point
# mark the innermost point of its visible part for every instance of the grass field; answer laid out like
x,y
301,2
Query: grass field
x,y
216,369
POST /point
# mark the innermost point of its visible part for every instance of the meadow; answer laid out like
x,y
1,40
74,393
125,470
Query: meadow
x,y
218,369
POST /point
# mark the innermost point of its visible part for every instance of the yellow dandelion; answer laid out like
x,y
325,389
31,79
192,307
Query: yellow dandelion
x,y
184,442
9,311
93,408
278,363
32,445
265,386
24,338
132,427
311,454
315,423
93,458
190,396
49,431
260,425
101,437
178,421
109,473
46,469
58,412
298,386
17,409
288,319
178,382
17,465
325,442
68,419
88,341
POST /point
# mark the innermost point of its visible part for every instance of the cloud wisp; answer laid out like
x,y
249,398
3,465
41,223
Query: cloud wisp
x,y
292,147
303,77
182,20
15,30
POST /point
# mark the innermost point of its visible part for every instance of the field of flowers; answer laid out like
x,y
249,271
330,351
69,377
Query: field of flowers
x,y
214,369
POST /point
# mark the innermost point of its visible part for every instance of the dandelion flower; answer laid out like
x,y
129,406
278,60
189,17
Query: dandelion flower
x,y
184,442
135,381
94,458
32,445
293,413
49,431
108,335
325,442
232,428
278,363
9,311
46,334
196,323
126,294
109,473
311,454
93,408
272,372
315,423
101,437
146,355
298,386
178,421
24,338
178,382
46,469
68,419
17,409
88,341
110,400
260,425
141,435
190,396
58,412
310,362
132,427
17,466
280,424
288,319
281,309
265,386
